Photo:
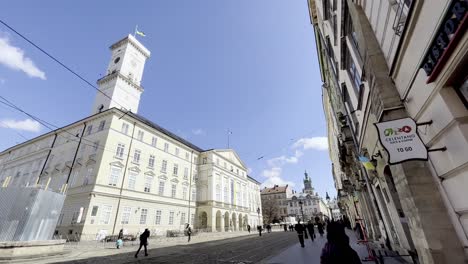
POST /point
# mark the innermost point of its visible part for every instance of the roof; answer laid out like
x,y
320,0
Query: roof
x,y
274,189
252,179
164,131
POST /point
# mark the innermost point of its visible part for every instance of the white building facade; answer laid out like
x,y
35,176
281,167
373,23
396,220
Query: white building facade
x,y
122,171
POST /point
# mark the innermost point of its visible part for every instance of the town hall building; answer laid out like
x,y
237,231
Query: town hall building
x,y
120,170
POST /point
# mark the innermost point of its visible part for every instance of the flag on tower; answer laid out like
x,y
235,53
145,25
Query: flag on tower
x,y
141,33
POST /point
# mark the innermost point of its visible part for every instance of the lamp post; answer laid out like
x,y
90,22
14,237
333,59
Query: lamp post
x,y
302,212
328,205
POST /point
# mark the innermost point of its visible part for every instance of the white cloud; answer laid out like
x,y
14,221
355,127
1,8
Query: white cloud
x,y
198,132
26,125
317,143
14,58
281,160
274,178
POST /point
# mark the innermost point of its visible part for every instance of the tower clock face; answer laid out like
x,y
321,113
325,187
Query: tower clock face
x,y
117,60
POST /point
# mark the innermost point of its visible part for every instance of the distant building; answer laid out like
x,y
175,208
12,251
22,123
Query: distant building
x,y
120,170
275,201
307,205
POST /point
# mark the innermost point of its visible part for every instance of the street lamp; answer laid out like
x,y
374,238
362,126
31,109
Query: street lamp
x,y
302,212
328,205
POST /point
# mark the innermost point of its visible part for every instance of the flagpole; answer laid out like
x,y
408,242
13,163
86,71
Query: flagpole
x,y
229,133
136,29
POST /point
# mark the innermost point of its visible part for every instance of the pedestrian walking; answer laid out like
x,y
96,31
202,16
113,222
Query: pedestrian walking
x,y
259,228
337,248
320,228
143,242
285,228
310,228
268,228
300,232
248,228
119,241
188,230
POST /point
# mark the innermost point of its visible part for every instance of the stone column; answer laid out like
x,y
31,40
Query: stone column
x,y
222,223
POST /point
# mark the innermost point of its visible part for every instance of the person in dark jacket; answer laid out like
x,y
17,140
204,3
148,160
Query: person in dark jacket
x,y
248,228
300,232
143,242
337,249
120,234
320,228
188,231
259,228
268,227
285,228
310,228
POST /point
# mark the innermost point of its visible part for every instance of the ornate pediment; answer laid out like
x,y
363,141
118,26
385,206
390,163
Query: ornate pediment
x,y
162,177
150,173
185,183
135,169
117,164
90,162
175,180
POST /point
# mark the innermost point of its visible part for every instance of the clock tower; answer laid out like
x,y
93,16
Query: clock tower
x,y
122,82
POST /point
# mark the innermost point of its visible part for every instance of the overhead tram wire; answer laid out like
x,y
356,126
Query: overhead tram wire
x,y
59,62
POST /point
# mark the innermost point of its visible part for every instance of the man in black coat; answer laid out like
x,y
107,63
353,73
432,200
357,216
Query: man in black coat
x,y
300,232
310,228
143,242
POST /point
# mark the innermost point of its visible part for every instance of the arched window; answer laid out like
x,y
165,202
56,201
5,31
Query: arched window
x,y
226,200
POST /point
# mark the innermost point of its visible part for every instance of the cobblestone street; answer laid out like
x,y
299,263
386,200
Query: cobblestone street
x,y
246,249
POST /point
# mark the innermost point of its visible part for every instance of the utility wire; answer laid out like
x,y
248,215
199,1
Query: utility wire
x,y
59,62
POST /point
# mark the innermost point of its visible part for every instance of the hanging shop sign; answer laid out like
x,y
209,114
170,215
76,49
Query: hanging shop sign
x,y
450,31
401,140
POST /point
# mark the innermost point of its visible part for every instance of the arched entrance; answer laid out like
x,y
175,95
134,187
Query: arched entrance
x,y
226,221
234,222
203,220
218,221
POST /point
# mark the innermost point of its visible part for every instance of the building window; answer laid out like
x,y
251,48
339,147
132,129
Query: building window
x,y
164,166
218,192
226,199
237,171
161,188
326,9
217,161
151,161
132,176
114,176
353,72
176,169
177,152
154,141
148,183
125,215
105,214
171,218
331,55
184,193
192,219
144,214
95,146
120,150
124,128
157,220
182,218
140,135
185,173
187,156
102,124
166,147
173,190
194,195
136,156
205,160
95,210
89,130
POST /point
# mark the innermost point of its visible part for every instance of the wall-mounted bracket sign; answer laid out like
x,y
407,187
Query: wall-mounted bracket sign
x,y
401,140
452,28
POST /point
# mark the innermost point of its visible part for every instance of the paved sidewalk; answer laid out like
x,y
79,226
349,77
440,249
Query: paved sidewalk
x,y
312,250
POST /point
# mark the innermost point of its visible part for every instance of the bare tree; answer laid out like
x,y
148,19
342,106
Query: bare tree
x,y
270,210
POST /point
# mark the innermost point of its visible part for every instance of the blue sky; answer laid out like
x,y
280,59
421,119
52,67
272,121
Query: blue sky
x,y
248,66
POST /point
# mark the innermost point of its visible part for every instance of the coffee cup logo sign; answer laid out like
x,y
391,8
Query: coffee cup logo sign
x,y
401,140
